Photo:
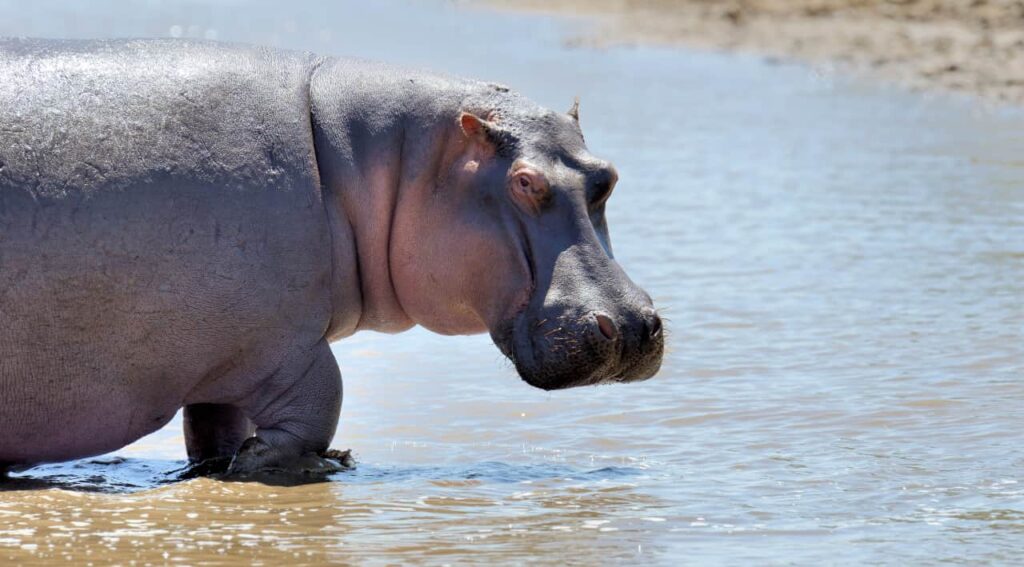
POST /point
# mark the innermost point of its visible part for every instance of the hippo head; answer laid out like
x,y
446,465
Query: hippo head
x,y
514,240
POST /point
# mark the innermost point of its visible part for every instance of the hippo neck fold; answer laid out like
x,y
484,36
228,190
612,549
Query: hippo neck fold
x,y
380,133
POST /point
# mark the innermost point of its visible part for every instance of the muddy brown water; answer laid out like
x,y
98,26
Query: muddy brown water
x,y
842,268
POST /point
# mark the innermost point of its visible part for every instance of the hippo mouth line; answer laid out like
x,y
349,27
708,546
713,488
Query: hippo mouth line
x,y
522,351
518,318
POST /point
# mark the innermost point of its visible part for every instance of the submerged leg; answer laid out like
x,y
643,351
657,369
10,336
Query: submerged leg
x,y
296,413
215,431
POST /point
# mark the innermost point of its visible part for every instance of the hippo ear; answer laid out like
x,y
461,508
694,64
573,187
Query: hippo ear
x,y
475,127
489,135
574,112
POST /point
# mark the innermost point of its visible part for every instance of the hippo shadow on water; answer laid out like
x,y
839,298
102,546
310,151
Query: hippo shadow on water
x,y
104,474
119,475
116,474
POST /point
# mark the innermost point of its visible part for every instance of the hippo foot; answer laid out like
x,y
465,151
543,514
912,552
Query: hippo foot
x,y
343,458
212,467
258,460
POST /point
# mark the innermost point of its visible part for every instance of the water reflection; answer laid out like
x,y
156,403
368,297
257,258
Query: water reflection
x,y
495,508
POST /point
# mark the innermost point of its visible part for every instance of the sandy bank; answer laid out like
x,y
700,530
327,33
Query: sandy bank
x,y
974,46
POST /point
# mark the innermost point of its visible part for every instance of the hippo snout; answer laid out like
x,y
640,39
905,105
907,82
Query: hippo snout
x,y
595,347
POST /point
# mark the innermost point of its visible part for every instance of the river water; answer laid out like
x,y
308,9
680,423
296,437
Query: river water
x,y
842,270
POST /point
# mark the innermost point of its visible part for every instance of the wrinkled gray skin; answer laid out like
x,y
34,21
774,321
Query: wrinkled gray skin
x,y
189,224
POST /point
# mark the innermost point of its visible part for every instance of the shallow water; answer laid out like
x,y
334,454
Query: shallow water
x,y
843,270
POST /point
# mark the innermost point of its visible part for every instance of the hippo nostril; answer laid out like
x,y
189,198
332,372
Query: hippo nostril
x,y
655,328
607,327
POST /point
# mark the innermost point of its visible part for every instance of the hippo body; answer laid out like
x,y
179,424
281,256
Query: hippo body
x,y
189,224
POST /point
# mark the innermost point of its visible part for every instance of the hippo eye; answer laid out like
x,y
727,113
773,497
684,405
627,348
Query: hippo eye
x,y
529,190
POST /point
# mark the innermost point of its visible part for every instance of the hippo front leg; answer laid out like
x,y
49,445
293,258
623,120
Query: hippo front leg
x,y
296,413
213,434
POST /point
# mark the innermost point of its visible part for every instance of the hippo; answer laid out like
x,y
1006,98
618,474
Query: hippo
x,y
189,224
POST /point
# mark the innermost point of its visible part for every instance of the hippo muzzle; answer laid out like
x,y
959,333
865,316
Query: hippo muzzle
x,y
587,323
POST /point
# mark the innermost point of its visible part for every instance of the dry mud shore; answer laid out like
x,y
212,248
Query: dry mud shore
x,y
972,46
